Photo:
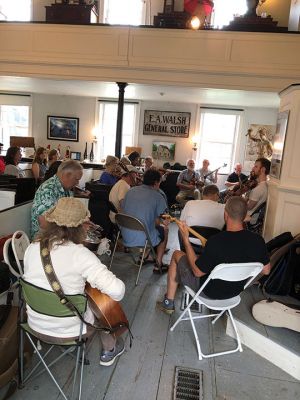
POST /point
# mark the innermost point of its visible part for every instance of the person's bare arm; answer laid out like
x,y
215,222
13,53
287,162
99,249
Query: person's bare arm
x,y
35,170
230,184
191,256
183,186
251,204
266,269
42,222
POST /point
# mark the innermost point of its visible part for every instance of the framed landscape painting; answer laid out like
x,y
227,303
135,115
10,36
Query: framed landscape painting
x,y
63,128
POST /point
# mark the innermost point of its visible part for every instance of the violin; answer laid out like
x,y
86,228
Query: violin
x,y
123,166
242,187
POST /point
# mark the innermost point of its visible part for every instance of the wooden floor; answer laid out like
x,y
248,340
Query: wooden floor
x,y
146,371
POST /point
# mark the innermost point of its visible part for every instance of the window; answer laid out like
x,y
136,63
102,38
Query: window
x,y
126,12
107,127
14,121
224,11
17,10
218,133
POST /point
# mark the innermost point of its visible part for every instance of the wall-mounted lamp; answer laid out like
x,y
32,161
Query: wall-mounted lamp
x,y
94,134
195,22
195,141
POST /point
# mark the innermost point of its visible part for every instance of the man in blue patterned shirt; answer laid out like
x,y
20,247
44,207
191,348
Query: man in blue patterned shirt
x,y
68,175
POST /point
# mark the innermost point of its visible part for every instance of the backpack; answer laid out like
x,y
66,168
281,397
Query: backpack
x,y
284,279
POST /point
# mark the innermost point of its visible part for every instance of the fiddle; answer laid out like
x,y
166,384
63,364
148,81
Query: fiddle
x,y
242,187
134,182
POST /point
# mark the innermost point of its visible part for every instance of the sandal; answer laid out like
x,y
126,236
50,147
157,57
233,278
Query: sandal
x,y
160,269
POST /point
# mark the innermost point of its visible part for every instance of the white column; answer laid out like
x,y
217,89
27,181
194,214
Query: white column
x,y
283,213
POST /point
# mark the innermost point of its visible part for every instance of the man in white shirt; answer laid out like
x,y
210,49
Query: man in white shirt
x,y
119,190
259,194
207,212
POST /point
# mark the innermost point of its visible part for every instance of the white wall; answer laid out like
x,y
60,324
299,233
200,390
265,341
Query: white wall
x,y
183,148
265,116
83,108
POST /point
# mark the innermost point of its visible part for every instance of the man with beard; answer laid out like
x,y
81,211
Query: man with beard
x,y
187,183
259,194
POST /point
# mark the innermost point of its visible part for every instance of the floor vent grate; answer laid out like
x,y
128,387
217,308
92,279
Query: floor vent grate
x,y
188,384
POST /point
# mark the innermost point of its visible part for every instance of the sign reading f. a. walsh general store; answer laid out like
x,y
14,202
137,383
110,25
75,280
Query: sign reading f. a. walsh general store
x,y
167,123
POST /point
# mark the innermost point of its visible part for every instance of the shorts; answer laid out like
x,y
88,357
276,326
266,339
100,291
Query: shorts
x,y
161,234
185,276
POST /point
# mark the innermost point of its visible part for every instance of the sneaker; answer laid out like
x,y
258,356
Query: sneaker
x,y
167,306
107,357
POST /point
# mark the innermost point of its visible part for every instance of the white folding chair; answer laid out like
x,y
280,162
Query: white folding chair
x,y
226,272
19,243
10,260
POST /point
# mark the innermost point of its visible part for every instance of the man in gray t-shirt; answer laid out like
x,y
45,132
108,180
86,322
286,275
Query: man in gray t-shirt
x,y
187,182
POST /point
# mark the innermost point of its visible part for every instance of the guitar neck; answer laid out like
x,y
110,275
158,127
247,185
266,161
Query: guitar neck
x,y
191,230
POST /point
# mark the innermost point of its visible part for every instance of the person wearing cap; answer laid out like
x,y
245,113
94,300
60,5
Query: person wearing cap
x,y
68,175
74,265
119,190
109,176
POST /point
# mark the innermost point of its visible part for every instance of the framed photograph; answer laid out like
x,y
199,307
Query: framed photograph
x,y
278,144
63,128
163,151
75,155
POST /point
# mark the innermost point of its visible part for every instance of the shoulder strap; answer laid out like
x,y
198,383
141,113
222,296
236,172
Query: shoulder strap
x,y
57,288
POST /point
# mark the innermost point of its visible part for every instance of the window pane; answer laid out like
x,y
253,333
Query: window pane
x,y
220,128
17,10
14,121
224,10
127,12
108,122
218,133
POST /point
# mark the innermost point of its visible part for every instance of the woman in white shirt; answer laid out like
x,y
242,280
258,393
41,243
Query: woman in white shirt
x,y
74,265
12,159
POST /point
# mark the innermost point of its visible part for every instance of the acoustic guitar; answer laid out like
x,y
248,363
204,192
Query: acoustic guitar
x,y
202,239
108,311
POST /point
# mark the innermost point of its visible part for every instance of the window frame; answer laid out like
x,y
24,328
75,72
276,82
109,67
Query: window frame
x,y
17,100
98,123
234,145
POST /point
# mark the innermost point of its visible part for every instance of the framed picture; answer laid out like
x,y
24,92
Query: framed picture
x,y
63,128
278,144
163,151
75,155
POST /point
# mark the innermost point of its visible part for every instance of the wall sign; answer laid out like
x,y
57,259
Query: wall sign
x,y
166,123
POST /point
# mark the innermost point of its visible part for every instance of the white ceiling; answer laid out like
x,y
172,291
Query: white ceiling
x,y
180,94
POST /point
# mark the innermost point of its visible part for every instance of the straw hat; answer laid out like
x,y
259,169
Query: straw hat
x,y
111,160
130,168
68,212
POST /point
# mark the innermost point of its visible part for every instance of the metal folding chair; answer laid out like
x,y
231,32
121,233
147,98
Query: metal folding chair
x,y
126,221
226,272
48,303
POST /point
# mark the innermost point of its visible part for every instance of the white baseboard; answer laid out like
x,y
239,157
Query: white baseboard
x,y
278,355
